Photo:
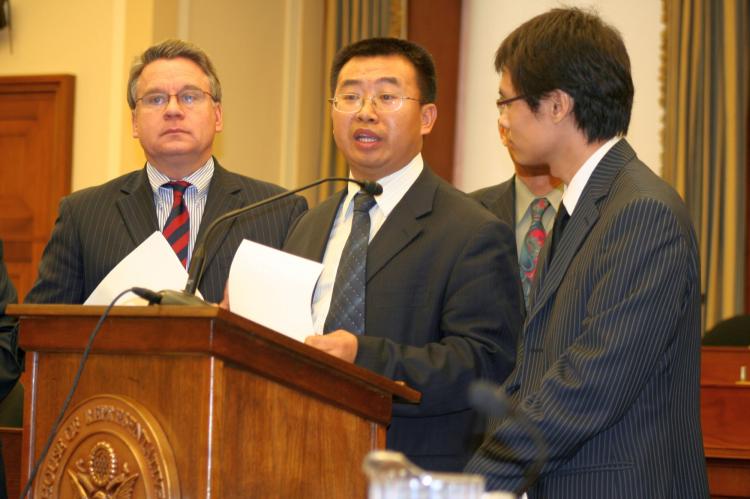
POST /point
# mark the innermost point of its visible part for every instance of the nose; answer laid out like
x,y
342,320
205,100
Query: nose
x,y
368,111
173,106
503,131
502,121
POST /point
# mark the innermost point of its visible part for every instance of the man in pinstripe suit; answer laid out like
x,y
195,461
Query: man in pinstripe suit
x,y
608,366
175,98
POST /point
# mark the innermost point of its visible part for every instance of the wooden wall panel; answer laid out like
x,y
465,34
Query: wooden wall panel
x,y
36,139
436,25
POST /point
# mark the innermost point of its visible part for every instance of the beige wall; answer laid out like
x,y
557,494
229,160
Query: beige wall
x,y
480,158
75,37
258,49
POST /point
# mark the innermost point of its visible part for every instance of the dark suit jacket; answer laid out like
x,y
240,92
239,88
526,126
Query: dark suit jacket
x,y
442,309
10,364
500,199
99,226
9,356
610,357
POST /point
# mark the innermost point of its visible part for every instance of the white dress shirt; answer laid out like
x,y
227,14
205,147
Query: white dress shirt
x,y
574,189
394,186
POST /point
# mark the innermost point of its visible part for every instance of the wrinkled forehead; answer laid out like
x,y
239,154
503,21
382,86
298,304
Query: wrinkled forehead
x,y
175,73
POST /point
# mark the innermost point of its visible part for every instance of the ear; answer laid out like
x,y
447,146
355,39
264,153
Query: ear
x,y
428,115
134,124
219,112
561,103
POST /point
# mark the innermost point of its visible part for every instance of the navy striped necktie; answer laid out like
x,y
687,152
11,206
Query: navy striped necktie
x,y
347,309
177,228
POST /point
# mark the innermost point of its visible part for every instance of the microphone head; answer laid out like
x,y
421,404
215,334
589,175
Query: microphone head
x,y
372,188
151,296
489,398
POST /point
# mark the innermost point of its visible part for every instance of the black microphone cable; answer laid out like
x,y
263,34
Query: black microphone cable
x,y
65,405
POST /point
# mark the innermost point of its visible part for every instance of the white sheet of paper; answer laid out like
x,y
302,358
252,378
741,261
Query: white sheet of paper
x,y
153,265
273,288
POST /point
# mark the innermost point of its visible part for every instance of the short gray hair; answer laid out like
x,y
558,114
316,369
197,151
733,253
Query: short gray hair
x,y
172,49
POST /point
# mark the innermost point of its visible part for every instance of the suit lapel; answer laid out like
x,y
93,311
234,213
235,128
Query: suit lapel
x,y
315,241
136,207
579,226
402,225
505,204
223,196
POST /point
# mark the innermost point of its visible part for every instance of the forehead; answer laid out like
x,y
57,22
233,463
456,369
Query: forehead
x,y
177,72
394,69
505,87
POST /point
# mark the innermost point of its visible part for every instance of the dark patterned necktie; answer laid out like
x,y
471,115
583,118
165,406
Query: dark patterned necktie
x,y
561,220
347,309
532,243
177,228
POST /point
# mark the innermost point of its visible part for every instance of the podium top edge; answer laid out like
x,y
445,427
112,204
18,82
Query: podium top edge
x,y
42,310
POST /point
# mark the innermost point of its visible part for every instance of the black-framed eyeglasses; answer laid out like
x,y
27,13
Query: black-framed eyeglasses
x,y
188,98
353,103
502,104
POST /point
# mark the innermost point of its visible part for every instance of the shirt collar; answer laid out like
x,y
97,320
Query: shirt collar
x,y
200,178
574,190
394,186
524,197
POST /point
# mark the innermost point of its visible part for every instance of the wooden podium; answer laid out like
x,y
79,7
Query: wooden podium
x,y
725,418
194,402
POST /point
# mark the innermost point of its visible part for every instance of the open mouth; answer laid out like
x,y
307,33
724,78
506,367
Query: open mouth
x,y
366,137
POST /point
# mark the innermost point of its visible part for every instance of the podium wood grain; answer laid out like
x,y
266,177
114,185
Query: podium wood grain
x,y
247,412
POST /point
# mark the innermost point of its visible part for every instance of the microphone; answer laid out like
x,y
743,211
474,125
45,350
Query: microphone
x,y
198,261
490,399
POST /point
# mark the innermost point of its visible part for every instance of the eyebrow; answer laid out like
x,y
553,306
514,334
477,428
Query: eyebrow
x,y
158,90
385,79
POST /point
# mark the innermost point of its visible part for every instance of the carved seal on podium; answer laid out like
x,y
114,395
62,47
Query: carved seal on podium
x,y
109,446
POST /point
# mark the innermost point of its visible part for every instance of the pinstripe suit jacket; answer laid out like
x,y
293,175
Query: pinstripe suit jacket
x,y
442,309
10,368
610,356
97,227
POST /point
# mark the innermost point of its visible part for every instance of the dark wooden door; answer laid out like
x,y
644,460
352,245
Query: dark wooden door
x,y
36,138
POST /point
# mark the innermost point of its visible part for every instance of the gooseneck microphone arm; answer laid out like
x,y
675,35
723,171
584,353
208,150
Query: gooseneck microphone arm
x,y
491,400
198,261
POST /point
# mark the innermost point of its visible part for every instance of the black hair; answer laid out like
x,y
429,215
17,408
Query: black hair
x,y
372,47
575,51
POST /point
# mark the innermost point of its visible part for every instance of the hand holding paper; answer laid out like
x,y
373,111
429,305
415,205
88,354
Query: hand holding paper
x,y
273,288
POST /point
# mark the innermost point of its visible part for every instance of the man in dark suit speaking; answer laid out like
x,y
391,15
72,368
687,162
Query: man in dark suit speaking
x,y
418,283
608,365
175,97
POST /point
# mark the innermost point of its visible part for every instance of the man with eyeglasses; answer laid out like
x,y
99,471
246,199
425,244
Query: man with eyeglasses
x,y
175,97
527,202
418,282
608,366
